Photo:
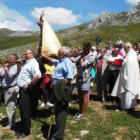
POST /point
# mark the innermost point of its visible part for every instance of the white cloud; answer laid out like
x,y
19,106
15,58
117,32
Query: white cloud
x,y
92,15
133,2
56,16
13,20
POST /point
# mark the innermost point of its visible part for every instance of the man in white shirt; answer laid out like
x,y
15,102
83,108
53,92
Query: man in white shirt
x,y
29,75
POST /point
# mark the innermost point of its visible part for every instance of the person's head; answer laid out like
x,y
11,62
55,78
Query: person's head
x,y
116,51
135,46
127,47
77,50
63,52
13,58
29,54
103,51
93,48
86,47
98,50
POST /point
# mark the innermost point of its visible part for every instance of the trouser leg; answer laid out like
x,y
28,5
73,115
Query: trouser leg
x,y
25,110
99,84
34,100
10,96
60,116
1,95
113,78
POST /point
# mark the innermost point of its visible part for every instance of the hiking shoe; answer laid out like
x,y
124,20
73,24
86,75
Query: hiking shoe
x,y
103,99
49,104
77,114
42,105
78,117
70,104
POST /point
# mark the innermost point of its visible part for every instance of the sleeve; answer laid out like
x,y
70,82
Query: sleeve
x,y
35,70
13,71
55,62
121,54
70,70
110,58
2,71
77,58
117,62
88,62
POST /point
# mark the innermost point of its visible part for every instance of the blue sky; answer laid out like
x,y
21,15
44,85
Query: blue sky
x,y
23,14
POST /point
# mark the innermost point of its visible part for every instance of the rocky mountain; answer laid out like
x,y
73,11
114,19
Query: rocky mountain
x,y
9,33
23,33
123,18
107,19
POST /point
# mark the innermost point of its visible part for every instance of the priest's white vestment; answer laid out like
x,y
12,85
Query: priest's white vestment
x,y
127,84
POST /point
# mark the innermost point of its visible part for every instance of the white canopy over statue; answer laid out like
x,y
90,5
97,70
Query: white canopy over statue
x,y
49,42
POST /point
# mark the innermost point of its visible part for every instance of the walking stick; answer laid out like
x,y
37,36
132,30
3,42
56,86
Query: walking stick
x,y
51,122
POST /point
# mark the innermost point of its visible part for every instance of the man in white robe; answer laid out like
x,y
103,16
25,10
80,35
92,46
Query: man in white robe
x,y
127,84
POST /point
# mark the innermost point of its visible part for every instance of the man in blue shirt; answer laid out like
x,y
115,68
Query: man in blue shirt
x,y
61,80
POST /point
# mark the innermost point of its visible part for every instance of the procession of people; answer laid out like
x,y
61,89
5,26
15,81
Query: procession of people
x,y
117,76
52,73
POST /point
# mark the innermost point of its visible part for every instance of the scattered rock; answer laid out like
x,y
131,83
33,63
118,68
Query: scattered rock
x,y
40,135
83,132
72,122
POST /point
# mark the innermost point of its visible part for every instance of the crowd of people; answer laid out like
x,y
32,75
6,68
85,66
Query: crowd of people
x,y
117,77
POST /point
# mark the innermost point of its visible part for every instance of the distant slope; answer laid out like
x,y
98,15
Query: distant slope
x,y
12,39
126,32
9,33
12,42
108,25
5,32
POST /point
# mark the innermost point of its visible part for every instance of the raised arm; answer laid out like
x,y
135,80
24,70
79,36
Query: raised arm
x,y
48,58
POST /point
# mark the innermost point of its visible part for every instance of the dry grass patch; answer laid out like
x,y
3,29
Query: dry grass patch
x,y
119,135
98,108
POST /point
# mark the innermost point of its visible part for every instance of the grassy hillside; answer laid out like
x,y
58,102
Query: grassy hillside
x,y
74,37
127,33
103,121
12,42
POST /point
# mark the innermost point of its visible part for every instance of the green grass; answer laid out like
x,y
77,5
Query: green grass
x,y
6,136
126,32
12,42
102,121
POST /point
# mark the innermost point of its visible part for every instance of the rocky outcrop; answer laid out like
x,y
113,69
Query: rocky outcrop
x,y
106,19
9,33
23,34
123,18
